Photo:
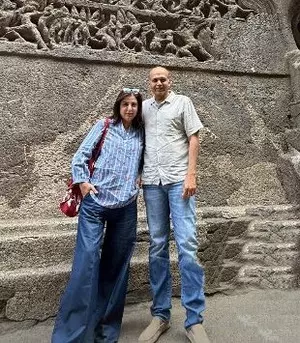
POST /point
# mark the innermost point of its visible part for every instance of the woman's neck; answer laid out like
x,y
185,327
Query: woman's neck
x,y
126,125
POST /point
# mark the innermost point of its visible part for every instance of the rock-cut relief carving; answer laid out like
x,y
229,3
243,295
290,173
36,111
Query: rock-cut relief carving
x,y
261,6
184,28
295,24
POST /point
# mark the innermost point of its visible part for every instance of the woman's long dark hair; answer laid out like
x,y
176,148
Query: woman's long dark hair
x,y
137,122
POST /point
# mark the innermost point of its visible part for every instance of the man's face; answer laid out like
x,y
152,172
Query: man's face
x,y
160,83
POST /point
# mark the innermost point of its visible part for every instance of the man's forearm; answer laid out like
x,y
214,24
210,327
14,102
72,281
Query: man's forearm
x,y
193,154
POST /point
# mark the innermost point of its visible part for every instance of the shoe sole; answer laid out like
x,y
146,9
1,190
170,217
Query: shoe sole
x,y
157,335
191,337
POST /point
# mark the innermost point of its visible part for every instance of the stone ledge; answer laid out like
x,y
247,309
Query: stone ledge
x,y
80,54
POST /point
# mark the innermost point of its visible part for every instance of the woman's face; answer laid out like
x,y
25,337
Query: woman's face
x,y
128,109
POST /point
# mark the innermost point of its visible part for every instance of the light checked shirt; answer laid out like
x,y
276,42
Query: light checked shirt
x,y
167,127
116,169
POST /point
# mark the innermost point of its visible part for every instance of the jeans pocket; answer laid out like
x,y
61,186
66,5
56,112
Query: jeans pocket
x,y
88,194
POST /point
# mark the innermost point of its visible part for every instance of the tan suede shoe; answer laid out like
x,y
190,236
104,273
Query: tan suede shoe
x,y
196,334
154,330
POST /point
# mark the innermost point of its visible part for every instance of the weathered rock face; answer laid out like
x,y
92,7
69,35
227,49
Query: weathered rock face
x,y
62,64
227,56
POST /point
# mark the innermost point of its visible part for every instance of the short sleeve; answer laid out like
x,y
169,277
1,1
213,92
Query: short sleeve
x,y
192,123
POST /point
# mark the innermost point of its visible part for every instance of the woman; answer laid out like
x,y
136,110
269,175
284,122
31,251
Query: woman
x,y
92,306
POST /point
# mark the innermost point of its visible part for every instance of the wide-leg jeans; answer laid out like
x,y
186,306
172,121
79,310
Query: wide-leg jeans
x,y
92,306
163,203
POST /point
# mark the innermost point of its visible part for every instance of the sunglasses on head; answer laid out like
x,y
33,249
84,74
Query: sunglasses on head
x,y
131,90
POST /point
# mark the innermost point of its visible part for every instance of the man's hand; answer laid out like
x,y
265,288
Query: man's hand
x,y
86,187
189,186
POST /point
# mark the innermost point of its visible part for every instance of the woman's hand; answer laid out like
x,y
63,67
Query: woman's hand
x,y
86,187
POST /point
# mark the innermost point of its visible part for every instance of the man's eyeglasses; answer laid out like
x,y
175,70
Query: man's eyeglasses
x,y
131,90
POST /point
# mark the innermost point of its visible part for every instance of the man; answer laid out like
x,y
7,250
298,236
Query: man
x,y
169,186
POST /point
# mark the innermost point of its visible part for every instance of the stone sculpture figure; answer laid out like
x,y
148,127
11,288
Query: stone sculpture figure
x,y
131,39
117,27
205,36
148,33
27,30
105,38
156,45
76,33
233,10
81,32
213,16
142,4
44,23
163,42
191,46
168,41
95,21
78,28
198,9
126,3
214,11
66,33
7,5
158,6
181,7
54,22
8,16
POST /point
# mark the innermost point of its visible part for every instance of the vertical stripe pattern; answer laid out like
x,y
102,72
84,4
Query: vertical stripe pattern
x,y
116,169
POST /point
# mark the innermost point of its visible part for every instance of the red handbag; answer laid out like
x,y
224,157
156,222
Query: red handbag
x,y
71,201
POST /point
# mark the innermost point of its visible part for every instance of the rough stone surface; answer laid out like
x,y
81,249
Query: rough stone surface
x,y
237,60
239,247
238,157
53,89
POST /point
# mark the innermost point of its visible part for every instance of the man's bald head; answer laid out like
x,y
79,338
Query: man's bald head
x,y
160,70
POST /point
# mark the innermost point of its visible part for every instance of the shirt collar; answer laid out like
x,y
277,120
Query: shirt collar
x,y
168,99
122,128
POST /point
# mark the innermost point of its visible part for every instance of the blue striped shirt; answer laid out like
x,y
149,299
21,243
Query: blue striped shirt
x,y
116,169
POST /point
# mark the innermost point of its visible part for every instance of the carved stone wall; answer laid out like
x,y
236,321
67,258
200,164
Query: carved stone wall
x,y
181,28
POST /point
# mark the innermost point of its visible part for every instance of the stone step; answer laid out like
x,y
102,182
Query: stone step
x,y
272,212
27,244
33,226
34,293
39,243
220,275
278,259
270,254
36,249
275,231
238,247
27,227
268,277
287,212
45,248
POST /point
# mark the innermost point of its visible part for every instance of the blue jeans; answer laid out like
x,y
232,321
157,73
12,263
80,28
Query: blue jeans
x,y
92,306
163,202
